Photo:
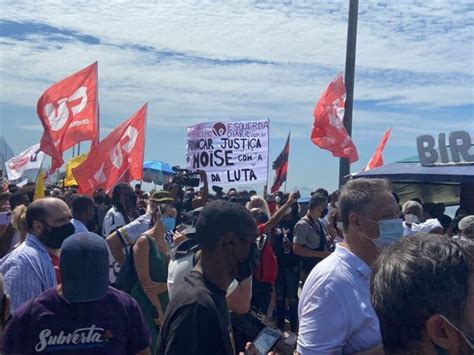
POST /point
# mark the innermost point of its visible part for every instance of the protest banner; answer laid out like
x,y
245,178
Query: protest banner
x,y
229,152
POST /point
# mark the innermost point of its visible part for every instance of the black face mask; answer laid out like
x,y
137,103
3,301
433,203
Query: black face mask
x,y
131,201
53,237
247,267
99,199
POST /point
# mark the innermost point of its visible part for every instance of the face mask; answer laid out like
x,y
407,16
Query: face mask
x,y
53,237
467,338
131,201
411,218
169,223
390,231
336,204
247,267
278,199
339,226
99,199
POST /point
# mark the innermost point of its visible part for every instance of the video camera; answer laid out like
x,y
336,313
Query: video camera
x,y
185,177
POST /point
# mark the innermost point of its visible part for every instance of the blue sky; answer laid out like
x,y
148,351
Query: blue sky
x,y
205,61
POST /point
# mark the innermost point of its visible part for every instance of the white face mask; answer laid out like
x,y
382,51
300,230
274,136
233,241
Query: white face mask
x,y
411,218
339,226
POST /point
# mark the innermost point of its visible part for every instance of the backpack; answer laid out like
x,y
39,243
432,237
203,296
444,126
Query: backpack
x,y
267,268
127,277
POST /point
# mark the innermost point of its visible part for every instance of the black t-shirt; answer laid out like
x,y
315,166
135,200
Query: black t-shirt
x,y
290,259
197,320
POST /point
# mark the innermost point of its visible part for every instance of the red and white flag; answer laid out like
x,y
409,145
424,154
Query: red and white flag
x,y
30,158
376,159
121,151
68,112
328,129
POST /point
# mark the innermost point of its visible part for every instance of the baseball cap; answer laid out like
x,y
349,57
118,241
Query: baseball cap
x,y
84,266
161,197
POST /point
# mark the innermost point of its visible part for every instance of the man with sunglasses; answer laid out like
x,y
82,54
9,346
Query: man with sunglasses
x,y
423,293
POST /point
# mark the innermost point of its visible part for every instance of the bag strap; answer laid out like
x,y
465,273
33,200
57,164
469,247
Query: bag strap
x,y
322,238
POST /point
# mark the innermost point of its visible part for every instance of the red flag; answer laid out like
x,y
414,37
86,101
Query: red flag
x,y
328,129
376,159
68,112
121,151
280,165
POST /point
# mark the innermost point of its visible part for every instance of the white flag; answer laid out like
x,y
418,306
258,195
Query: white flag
x,y
30,158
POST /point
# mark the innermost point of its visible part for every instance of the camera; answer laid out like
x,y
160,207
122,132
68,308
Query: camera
x,y
185,177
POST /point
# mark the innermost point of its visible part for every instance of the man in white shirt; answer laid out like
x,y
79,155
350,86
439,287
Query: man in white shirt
x,y
336,316
415,221
82,212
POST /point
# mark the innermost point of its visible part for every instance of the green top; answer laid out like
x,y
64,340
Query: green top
x,y
158,263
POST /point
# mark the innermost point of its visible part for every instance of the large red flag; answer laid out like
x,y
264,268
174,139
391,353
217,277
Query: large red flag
x,y
328,129
376,159
68,112
121,151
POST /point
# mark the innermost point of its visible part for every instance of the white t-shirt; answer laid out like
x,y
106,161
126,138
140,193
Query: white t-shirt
x,y
430,224
113,220
179,268
335,312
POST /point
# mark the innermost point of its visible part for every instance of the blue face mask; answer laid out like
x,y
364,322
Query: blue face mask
x,y
390,231
169,223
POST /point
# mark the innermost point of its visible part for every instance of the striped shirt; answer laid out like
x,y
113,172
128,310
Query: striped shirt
x,y
27,271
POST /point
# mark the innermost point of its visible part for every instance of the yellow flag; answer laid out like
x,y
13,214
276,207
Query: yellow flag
x,y
69,179
39,189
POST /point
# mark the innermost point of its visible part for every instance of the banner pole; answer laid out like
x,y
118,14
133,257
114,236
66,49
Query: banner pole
x,y
268,156
344,165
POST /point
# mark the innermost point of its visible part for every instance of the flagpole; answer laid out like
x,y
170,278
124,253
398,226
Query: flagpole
x,y
344,165
97,138
144,134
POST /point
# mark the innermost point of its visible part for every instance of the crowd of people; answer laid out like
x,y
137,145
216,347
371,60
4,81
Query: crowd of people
x,y
186,271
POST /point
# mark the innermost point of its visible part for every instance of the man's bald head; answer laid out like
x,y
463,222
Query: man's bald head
x,y
45,210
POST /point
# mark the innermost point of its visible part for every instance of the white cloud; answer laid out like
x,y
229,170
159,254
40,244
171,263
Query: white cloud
x,y
199,61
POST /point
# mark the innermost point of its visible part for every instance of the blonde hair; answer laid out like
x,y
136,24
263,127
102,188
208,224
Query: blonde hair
x,y
19,219
258,202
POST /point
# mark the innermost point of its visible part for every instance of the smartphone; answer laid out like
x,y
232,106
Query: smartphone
x,y
5,218
265,341
297,195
